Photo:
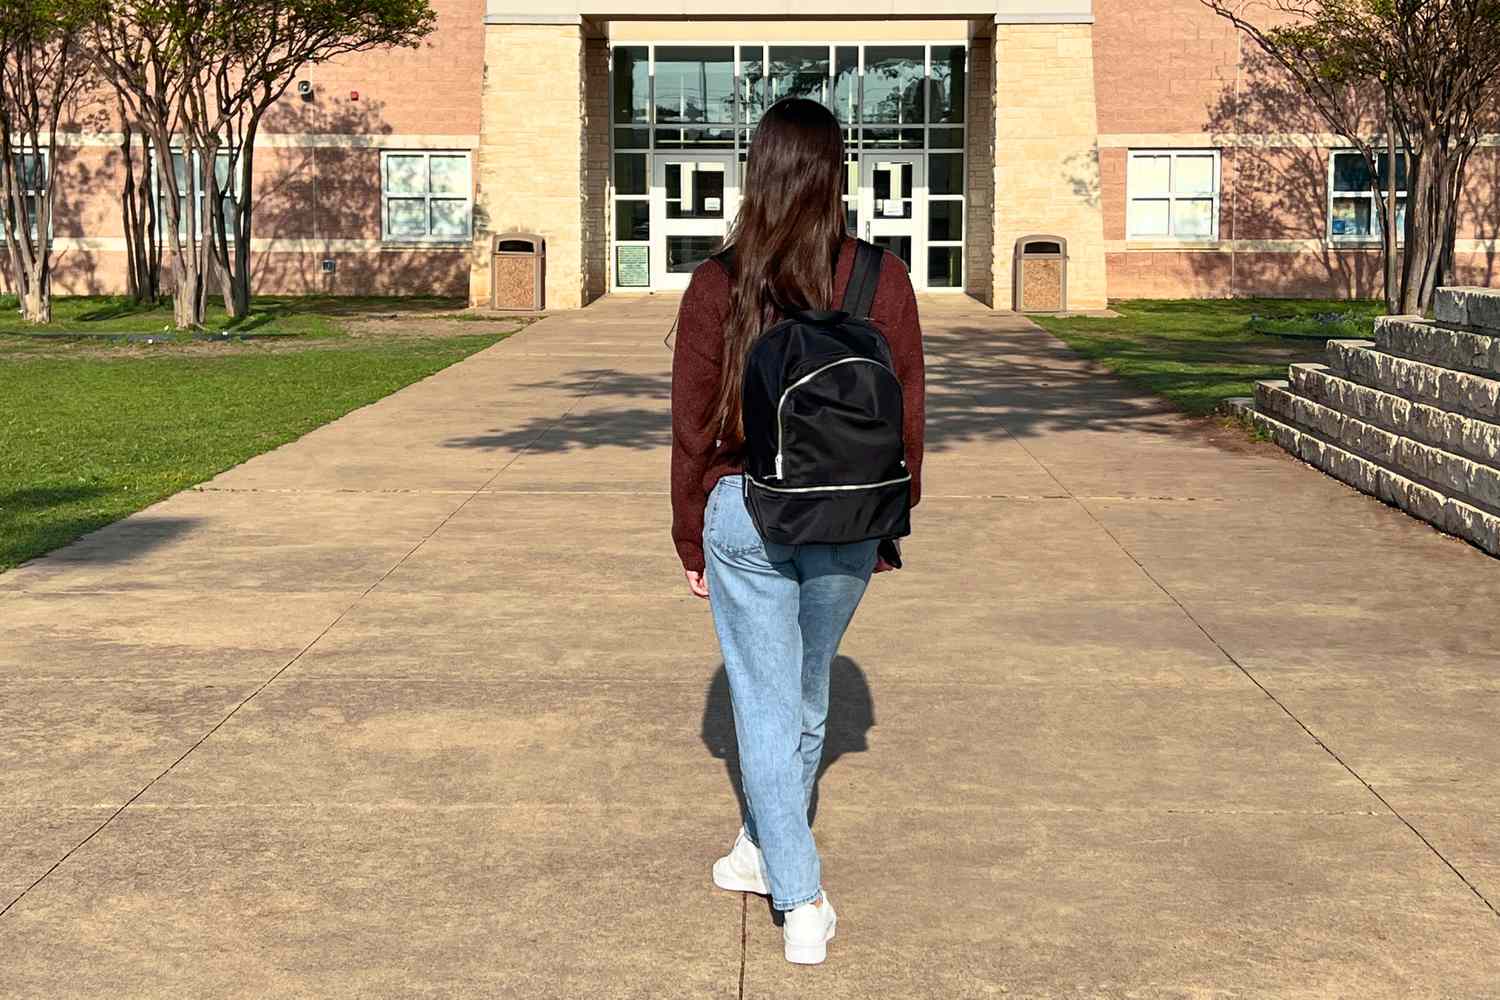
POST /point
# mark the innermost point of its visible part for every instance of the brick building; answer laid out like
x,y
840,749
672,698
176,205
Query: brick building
x,y
1141,133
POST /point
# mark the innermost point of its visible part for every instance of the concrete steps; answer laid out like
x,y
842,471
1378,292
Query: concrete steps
x,y
1461,392
1412,417
1461,350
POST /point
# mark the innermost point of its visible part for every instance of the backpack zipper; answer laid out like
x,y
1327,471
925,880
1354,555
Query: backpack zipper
x,y
780,434
824,489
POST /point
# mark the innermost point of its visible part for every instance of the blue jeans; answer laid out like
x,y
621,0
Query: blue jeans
x,y
780,611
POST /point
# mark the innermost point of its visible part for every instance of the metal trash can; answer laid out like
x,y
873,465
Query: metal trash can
x,y
1041,274
517,264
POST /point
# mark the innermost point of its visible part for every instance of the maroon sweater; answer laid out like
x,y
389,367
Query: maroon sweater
x,y
698,460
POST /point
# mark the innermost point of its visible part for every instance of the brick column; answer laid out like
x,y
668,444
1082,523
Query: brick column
x,y
979,184
596,167
1047,153
535,165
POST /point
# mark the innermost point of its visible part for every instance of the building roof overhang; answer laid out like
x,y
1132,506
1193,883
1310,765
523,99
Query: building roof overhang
x,y
576,11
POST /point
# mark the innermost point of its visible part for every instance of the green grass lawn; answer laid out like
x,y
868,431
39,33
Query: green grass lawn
x,y
91,431
1199,352
270,315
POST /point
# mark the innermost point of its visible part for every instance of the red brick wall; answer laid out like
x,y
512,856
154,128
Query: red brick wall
x,y
431,89
1160,65
327,190
1173,67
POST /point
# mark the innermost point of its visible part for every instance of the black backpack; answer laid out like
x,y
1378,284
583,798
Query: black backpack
x,y
824,456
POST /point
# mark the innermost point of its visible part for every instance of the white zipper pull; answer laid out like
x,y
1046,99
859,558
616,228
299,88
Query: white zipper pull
x,y
778,465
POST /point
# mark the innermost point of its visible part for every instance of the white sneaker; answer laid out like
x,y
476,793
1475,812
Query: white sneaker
x,y
807,931
743,869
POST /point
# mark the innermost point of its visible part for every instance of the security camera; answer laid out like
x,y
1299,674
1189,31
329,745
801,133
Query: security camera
x,y
304,88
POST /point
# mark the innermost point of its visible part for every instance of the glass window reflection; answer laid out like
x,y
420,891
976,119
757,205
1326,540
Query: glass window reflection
x,y
632,83
948,83
694,83
894,85
799,71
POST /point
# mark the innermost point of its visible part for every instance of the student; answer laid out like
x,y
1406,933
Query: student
x,y
779,610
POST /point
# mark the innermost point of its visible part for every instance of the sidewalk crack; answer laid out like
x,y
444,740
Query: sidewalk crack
x,y
744,938
1256,681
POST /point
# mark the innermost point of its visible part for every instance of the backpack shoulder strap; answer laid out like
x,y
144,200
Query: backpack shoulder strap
x,y
859,294
725,257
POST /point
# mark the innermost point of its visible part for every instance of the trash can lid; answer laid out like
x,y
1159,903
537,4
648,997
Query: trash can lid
x,y
518,243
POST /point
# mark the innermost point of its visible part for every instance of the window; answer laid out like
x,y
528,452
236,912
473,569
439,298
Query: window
x,y
1173,195
31,177
695,84
190,187
1354,213
895,85
425,197
799,71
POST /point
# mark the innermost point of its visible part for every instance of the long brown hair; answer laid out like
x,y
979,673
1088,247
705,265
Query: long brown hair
x,y
786,237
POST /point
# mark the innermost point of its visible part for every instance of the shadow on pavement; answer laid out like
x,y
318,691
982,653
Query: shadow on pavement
x,y
983,383
32,518
120,541
851,716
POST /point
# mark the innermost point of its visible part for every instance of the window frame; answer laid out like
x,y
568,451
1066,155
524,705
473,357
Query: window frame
x,y
1377,216
1171,196
30,193
387,238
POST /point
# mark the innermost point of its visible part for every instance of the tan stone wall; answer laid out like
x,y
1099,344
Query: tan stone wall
x,y
979,225
1046,153
530,166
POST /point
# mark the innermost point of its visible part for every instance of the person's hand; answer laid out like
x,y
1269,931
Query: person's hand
x,y
881,566
697,583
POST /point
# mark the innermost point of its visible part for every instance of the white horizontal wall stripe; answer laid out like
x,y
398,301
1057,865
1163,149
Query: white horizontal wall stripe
x,y
1308,246
116,244
313,245
423,140
308,140
408,140
1233,140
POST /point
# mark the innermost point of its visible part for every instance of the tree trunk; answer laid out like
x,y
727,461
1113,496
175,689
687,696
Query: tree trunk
x,y
187,312
142,251
237,291
1429,212
36,304
239,284
188,262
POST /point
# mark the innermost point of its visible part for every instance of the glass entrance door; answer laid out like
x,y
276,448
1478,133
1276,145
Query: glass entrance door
x,y
693,200
893,207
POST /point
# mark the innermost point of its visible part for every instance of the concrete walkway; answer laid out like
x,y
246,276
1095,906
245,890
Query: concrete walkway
x,y
419,706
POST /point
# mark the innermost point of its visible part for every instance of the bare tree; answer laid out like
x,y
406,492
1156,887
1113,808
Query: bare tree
x,y
43,66
139,214
1418,76
196,77
158,56
273,42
